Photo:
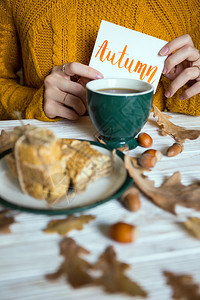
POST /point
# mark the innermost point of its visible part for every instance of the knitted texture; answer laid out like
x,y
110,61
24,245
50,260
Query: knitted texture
x,y
45,33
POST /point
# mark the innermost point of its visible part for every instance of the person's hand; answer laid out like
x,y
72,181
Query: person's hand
x,y
64,97
182,66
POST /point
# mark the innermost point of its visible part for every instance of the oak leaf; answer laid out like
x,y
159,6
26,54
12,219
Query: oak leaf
x,y
63,226
180,134
73,268
170,193
113,278
5,221
79,272
193,224
183,286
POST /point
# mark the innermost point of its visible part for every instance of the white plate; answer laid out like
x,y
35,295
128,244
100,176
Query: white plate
x,y
98,192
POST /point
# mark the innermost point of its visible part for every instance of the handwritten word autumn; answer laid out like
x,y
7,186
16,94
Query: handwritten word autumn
x,y
121,60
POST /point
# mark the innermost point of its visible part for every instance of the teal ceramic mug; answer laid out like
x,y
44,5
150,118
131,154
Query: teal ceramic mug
x,y
119,108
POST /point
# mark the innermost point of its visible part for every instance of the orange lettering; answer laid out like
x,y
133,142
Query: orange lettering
x,y
103,49
123,53
129,67
140,68
155,68
111,59
106,54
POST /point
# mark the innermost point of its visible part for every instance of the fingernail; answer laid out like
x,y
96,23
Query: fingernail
x,y
167,94
164,51
164,70
99,76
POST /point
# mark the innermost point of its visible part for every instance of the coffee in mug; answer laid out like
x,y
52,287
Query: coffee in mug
x,y
118,91
119,108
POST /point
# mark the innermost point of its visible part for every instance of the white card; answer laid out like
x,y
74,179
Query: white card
x,y
120,52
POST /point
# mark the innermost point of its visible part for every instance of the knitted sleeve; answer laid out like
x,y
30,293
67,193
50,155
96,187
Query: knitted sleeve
x,y
13,96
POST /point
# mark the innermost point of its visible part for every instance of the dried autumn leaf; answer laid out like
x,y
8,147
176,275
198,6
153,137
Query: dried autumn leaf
x,y
79,272
193,224
74,268
5,221
184,287
63,226
180,134
113,278
170,193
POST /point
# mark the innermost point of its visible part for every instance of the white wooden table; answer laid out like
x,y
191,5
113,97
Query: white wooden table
x,y
27,254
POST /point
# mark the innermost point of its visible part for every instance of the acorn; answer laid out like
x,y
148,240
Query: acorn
x,y
156,153
123,232
131,199
174,150
144,140
147,161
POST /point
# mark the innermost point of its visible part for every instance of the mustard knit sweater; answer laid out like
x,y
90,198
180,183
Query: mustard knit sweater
x,y
37,35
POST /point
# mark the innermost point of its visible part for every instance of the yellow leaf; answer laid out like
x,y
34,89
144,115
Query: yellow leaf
x,y
63,226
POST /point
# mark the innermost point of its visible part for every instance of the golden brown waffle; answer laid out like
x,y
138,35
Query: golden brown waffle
x,y
37,162
46,166
86,164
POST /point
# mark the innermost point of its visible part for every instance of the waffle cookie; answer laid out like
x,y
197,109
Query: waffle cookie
x,y
86,164
46,167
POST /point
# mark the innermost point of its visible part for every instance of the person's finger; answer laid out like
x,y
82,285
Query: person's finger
x,y
58,71
191,91
65,98
75,68
66,113
75,103
185,53
176,44
55,85
197,62
54,94
83,81
174,72
185,76
72,88
55,109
